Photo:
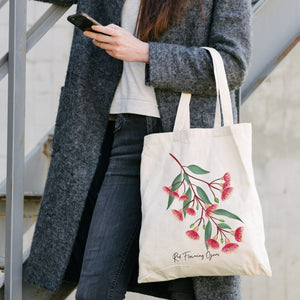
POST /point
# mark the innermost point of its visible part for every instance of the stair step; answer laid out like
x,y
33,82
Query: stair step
x,y
36,165
27,239
27,197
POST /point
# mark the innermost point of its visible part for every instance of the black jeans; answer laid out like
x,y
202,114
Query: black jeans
x,y
111,253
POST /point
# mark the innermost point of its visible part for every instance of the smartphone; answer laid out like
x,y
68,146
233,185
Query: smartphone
x,y
83,22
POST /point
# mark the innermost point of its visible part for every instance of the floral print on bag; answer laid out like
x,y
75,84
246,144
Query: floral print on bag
x,y
186,189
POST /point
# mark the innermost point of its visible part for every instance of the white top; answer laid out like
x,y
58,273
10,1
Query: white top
x,y
132,95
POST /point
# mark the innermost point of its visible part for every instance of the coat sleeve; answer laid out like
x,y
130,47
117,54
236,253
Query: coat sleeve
x,y
189,69
60,2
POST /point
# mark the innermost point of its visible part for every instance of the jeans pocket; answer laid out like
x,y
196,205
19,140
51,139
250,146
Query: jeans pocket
x,y
119,122
154,125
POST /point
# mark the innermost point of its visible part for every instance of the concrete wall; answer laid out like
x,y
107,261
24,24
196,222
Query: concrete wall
x,y
46,68
273,110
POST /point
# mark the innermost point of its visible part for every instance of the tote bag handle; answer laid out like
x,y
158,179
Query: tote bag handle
x,y
223,106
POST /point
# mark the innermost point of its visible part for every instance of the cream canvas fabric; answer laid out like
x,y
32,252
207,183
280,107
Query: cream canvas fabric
x,y
201,213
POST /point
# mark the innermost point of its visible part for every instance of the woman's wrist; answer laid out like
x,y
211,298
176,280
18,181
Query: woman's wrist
x,y
145,53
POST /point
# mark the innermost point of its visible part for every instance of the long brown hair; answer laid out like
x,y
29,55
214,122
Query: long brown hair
x,y
155,15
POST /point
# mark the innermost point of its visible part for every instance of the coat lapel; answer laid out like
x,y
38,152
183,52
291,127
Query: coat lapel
x,y
113,11
104,11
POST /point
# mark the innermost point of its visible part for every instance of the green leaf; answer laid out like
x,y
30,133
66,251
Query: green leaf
x,y
221,220
208,233
192,225
204,226
197,170
197,207
176,182
224,226
185,202
189,193
171,199
186,178
223,212
203,195
222,241
217,200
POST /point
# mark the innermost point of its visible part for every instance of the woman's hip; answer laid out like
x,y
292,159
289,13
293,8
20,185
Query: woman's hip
x,y
129,132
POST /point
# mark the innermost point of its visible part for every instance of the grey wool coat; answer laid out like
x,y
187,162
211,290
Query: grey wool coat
x,y
177,64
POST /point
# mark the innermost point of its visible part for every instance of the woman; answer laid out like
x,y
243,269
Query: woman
x,y
119,88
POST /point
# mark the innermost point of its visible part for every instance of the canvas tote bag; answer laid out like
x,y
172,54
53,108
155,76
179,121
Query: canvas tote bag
x,y
201,214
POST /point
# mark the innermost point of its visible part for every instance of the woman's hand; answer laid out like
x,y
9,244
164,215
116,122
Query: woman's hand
x,y
120,43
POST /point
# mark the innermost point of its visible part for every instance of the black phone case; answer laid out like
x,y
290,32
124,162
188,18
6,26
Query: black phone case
x,y
83,21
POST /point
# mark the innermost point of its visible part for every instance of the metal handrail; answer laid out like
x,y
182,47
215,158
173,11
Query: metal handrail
x,y
276,31
15,150
36,32
256,4
14,63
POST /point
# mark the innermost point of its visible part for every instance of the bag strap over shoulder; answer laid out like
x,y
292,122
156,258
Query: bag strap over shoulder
x,y
223,105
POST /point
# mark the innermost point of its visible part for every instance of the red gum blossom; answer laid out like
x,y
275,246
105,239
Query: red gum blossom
x,y
238,234
192,234
210,210
190,211
212,244
177,214
230,247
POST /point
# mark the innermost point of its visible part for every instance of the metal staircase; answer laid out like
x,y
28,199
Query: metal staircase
x,y
276,30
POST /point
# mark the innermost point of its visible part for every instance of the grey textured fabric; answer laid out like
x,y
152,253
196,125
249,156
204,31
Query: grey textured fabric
x,y
177,64
217,288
